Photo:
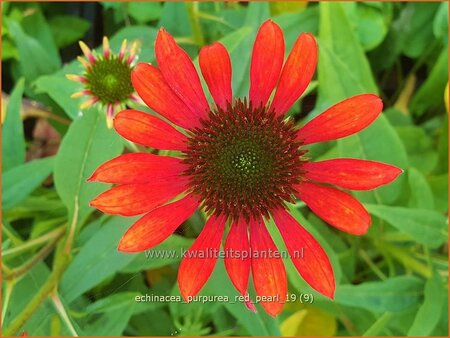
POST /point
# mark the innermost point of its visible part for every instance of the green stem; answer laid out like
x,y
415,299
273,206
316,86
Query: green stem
x,y
28,265
372,265
132,146
6,269
54,234
11,235
63,314
7,296
195,23
346,322
214,18
379,325
72,228
60,264
408,261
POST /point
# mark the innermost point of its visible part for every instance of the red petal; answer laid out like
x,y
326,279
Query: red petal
x,y
269,275
306,253
137,168
157,94
237,258
179,72
297,73
198,263
215,64
352,173
335,207
148,130
157,225
343,119
135,199
267,60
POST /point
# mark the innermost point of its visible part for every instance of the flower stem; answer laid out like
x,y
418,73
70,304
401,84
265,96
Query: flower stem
x,y
408,261
7,296
63,313
54,234
195,23
376,270
72,228
16,240
60,264
28,265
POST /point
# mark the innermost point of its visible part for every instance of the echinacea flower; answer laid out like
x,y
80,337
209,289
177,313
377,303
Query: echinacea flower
x,y
107,78
240,161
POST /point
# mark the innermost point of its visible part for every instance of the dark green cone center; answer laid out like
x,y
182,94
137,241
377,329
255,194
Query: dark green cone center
x,y
242,163
110,80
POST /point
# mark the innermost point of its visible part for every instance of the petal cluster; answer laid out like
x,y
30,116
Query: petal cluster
x,y
158,187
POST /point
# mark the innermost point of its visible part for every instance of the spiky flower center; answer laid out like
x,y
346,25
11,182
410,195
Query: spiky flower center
x,y
243,161
109,79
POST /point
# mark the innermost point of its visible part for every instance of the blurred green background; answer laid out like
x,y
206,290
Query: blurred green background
x,y
392,281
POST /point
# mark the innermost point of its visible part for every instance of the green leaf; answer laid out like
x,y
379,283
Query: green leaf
x,y
59,88
440,23
439,186
379,325
343,69
68,29
280,7
21,181
158,322
394,294
30,49
386,54
442,148
241,56
175,18
9,50
112,323
421,194
143,34
371,22
87,144
430,311
424,226
113,302
144,12
378,142
293,24
97,260
418,32
36,26
430,96
13,141
419,147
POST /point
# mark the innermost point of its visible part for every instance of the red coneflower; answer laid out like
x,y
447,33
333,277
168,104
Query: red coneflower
x,y
106,78
240,161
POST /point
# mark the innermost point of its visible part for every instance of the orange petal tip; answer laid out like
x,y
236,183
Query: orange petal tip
x,y
124,246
